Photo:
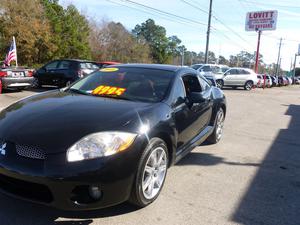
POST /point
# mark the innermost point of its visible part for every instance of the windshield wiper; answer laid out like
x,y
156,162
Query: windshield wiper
x,y
77,91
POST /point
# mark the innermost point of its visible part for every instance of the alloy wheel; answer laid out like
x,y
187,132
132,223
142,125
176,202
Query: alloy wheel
x,y
154,173
220,125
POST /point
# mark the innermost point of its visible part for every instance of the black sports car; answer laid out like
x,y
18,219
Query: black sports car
x,y
108,138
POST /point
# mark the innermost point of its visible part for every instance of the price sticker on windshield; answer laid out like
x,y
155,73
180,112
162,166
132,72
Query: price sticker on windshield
x,y
108,90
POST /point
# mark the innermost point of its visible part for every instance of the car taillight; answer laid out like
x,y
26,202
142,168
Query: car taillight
x,y
3,73
30,73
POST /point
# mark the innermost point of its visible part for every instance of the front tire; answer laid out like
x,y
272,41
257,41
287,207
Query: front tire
x,y
151,174
220,83
216,136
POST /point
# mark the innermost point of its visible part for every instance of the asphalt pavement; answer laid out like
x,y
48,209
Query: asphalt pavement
x,y
251,177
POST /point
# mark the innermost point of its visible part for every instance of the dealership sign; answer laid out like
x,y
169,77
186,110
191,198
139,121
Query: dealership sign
x,y
262,20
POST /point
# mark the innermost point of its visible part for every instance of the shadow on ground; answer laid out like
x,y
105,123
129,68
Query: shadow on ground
x,y
206,159
17,212
273,197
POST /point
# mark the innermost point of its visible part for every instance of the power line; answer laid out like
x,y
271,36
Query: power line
x,y
217,19
166,13
268,4
155,14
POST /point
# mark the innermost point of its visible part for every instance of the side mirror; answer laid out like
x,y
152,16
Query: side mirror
x,y
196,97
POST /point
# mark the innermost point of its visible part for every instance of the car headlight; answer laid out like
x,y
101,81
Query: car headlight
x,y
100,144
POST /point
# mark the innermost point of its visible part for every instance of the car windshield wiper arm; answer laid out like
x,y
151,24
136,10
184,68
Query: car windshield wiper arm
x,y
77,91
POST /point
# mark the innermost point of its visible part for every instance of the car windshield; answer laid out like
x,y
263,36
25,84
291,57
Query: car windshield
x,y
136,84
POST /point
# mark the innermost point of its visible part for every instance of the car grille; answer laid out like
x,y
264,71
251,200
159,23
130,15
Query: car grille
x,y
30,152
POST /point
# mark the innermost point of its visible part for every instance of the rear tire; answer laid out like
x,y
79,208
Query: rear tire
x,y
216,135
151,173
36,83
248,86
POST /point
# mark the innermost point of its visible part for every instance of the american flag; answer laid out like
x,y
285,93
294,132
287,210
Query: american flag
x,y
12,53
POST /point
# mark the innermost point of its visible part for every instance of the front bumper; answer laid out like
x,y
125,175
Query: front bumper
x,y
54,182
17,82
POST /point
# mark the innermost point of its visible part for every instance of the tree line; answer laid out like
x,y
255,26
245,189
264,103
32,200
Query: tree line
x,y
45,30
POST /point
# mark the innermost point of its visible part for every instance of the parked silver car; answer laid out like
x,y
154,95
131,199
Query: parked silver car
x,y
237,77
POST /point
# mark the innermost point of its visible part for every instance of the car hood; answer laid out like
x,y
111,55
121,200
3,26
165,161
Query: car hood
x,y
55,120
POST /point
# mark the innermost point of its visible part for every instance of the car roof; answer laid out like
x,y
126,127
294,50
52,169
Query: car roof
x,y
152,66
241,68
75,60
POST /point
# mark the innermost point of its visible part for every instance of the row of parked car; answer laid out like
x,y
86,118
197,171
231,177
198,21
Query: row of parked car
x,y
224,76
63,72
59,73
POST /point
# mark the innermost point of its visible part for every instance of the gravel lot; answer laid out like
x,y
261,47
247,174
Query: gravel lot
x,y
251,177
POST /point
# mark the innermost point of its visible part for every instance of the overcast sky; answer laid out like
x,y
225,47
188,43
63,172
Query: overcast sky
x,y
228,37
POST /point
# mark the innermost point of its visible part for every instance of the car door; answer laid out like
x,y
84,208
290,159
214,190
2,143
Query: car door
x,y
190,118
45,73
63,72
230,77
242,76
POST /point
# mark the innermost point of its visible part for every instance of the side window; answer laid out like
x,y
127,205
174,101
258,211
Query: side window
x,y
179,92
191,84
206,68
94,66
64,65
52,65
232,72
245,72
205,85
83,66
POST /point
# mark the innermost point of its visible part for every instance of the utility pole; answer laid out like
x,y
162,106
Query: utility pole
x,y
257,52
208,32
182,56
277,65
294,74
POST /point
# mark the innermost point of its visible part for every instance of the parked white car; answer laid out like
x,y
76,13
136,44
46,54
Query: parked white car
x,y
264,81
238,77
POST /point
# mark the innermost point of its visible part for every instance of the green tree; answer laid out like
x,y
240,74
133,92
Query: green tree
x,y
70,31
25,20
111,41
223,60
155,36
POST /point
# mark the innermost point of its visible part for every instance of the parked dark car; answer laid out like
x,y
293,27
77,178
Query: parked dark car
x,y
282,81
63,72
108,138
15,78
274,81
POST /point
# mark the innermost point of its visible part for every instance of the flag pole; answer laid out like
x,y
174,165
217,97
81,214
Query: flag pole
x,y
14,40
